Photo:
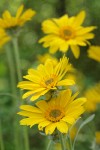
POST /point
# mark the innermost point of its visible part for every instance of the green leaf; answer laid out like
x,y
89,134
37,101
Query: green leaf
x,y
89,119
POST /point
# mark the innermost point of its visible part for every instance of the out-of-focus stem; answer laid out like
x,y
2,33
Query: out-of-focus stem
x,y
11,70
49,145
14,93
19,74
62,141
1,137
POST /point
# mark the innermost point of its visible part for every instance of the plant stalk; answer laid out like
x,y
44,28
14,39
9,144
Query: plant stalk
x,y
50,145
61,137
1,138
11,66
19,74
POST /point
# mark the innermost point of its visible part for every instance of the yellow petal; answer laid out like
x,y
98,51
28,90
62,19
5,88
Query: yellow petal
x,y
85,30
74,96
6,15
49,26
42,105
53,49
79,101
49,66
30,114
43,124
79,18
30,108
50,128
28,14
19,11
32,78
29,93
65,82
64,97
68,119
31,121
38,94
75,112
62,127
76,50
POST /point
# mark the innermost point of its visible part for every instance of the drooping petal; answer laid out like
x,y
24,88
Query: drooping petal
x,y
62,127
50,128
76,50
43,124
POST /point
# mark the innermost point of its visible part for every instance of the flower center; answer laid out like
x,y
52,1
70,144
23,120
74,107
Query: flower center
x,y
54,114
49,81
67,33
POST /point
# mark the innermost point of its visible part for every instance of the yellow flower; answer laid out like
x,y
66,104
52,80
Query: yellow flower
x,y
59,113
43,58
66,32
98,137
93,97
7,21
94,53
4,38
47,77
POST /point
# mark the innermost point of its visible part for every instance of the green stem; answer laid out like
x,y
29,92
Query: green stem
x,y
8,94
17,58
62,140
13,91
70,142
49,145
1,138
11,70
19,74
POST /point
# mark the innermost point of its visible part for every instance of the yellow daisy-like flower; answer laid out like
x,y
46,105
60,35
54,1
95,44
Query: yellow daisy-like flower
x,y
4,38
94,53
7,21
59,113
47,77
93,97
66,32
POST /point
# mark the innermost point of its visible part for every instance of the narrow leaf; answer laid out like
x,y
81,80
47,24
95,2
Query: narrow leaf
x,y
89,119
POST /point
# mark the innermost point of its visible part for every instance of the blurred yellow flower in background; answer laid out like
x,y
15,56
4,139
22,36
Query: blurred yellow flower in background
x,y
59,113
66,32
4,38
93,97
47,77
73,132
97,134
43,58
8,21
94,53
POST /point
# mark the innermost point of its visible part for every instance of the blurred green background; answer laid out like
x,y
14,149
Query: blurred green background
x,y
29,50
